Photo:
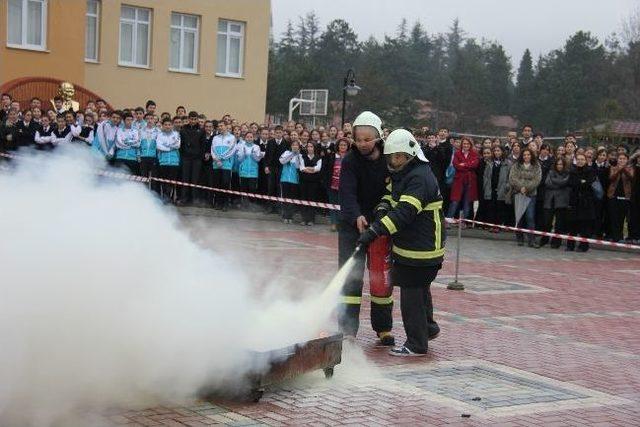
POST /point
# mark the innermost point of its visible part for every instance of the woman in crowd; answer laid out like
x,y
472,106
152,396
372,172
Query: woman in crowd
x,y
514,155
556,201
464,190
524,178
495,182
310,167
332,163
581,202
634,215
248,156
289,179
483,205
619,196
601,168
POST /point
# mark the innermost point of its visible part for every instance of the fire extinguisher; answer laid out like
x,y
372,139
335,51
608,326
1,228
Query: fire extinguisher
x,y
379,265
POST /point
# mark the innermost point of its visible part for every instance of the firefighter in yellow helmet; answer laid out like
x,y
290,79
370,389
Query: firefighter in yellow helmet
x,y
411,213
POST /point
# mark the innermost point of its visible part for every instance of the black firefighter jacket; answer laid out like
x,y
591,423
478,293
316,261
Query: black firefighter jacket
x,y
415,221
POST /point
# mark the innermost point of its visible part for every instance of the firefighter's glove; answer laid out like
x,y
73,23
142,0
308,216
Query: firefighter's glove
x,y
368,236
382,209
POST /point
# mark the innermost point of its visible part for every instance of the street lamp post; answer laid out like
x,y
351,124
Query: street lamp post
x,y
349,88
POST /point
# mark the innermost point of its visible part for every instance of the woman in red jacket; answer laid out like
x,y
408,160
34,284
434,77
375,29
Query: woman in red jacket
x,y
464,189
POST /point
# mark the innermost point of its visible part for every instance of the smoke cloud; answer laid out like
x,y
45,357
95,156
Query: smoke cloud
x,y
104,302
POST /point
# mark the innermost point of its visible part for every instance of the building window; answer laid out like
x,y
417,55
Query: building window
x,y
184,43
230,48
92,31
27,24
135,36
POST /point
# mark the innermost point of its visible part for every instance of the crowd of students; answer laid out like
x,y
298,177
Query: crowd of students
x,y
569,188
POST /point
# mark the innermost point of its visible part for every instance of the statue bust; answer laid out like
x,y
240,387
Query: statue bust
x,y
66,92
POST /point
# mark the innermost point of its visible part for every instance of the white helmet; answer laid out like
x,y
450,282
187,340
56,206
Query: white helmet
x,y
367,118
403,141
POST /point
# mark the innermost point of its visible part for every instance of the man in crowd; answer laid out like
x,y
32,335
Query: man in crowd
x,y
192,152
272,167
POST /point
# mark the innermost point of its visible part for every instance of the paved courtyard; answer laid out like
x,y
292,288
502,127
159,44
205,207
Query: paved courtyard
x,y
539,337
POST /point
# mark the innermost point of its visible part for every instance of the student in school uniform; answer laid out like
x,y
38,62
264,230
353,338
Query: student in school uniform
x,y
206,177
61,135
27,129
58,104
263,179
43,134
9,132
105,141
148,152
248,155
87,131
272,169
168,149
289,179
310,179
127,145
223,149
139,119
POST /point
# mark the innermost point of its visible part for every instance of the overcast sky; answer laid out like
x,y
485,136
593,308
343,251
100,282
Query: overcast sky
x,y
541,25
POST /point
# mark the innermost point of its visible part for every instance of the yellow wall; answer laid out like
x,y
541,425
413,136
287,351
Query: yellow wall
x,y
244,98
64,58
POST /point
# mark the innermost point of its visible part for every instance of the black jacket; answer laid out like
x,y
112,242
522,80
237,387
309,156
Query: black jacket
x,y
415,221
27,133
545,166
439,160
362,185
192,142
273,153
8,136
582,199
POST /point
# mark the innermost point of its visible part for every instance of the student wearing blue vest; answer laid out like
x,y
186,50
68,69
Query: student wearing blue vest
x,y
148,152
289,179
105,140
248,155
168,149
127,144
223,149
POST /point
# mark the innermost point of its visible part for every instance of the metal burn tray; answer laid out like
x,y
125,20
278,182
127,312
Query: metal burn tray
x,y
290,362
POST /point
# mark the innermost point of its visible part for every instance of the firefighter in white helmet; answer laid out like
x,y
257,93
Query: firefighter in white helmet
x,y
363,178
411,213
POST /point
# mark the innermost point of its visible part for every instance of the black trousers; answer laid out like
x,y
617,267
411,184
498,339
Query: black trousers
x,y
248,185
167,191
560,215
273,187
539,217
289,191
416,307
349,309
309,191
149,169
618,211
496,211
581,228
634,220
221,179
191,169
601,223
132,165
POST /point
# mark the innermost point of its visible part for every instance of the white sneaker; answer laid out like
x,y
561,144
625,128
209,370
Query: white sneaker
x,y
404,352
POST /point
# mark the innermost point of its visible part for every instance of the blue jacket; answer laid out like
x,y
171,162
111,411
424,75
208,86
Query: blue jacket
x,y
223,148
168,146
290,162
127,144
148,142
248,156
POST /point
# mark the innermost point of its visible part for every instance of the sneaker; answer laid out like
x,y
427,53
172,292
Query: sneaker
x,y
404,352
386,339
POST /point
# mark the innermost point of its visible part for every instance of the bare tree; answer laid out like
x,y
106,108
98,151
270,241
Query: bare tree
x,y
631,27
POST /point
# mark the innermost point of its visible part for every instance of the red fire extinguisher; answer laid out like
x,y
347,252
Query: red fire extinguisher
x,y
379,265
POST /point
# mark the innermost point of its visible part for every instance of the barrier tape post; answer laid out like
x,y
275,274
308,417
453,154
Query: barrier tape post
x,y
456,285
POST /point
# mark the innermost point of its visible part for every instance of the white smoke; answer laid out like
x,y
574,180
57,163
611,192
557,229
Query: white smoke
x,y
105,303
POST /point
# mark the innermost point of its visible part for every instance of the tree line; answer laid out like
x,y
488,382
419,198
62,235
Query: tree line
x,y
583,83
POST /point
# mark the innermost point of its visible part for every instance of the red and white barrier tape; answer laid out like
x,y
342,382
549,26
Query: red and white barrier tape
x,y
136,178
548,234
